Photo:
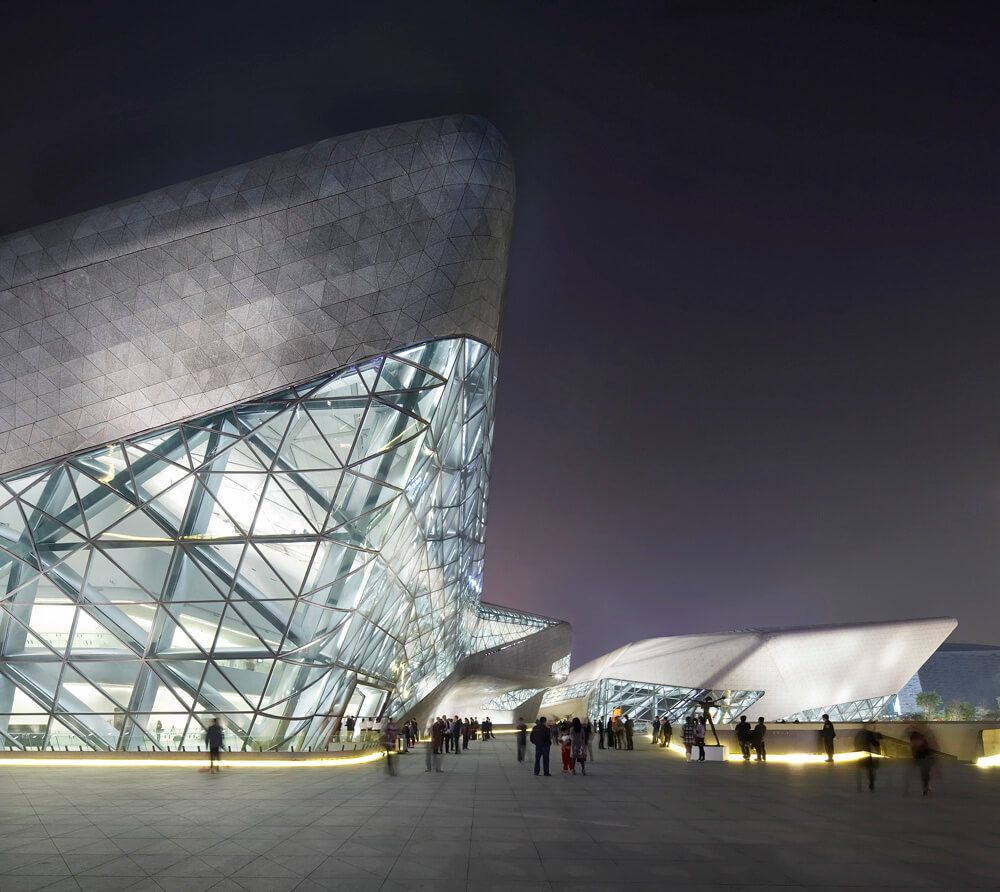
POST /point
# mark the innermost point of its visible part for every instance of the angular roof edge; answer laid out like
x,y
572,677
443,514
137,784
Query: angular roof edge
x,y
231,285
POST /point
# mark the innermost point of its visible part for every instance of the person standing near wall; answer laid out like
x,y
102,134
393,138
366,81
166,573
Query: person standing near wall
x,y
699,738
759,732
743,733
827,734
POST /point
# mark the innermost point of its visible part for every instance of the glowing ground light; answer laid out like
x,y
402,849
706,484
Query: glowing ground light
x,y
194,763
988,761
795,758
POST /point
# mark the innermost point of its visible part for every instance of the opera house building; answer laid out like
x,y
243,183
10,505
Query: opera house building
x,y
246,428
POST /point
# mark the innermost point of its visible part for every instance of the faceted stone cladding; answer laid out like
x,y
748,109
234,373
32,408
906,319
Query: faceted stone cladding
x,y
279,564
226,287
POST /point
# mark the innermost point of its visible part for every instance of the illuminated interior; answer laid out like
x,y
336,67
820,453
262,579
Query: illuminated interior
x,y
277,565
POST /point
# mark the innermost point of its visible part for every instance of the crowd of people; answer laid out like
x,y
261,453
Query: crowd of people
x,y
575,739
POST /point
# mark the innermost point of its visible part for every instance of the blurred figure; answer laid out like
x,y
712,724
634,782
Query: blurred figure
x,y
743,734
390,734
687,736
456,733
923,758
826,735
759,732
213,737
666,731
466,732
629,728
655,728
350,728
578,745
434,744
566,747
588,734
600,733
869,742
522,738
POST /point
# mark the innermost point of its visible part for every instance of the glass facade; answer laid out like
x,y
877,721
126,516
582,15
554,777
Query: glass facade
x,y
869,710
307,555
643,702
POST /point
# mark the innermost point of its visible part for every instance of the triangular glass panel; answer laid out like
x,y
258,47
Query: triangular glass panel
x,y
438,356
421,403
383,428
308,499
136,527
357,496
107,631
305,447
130,624
126,575
364,532
399,375
238,457
278,566
21,482
108,466
266,439
171,507
204,444
279,516
78,695
154,476
229,502
346,384
184,677
14,535
268,618
219,694
169,638
201,572
165,445
338,421
115,679
236,636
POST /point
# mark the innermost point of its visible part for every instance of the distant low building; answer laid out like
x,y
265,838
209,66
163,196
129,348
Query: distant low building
x,y
966,673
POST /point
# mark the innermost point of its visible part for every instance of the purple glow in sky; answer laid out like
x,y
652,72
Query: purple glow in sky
x,y
750,374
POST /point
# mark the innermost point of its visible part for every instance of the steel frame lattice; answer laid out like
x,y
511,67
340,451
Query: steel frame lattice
x,y
279,564
643,702
867,710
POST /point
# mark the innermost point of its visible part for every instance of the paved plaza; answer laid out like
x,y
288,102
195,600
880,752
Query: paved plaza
x,y
638,820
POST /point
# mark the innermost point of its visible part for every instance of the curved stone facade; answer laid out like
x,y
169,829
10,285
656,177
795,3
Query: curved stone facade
x,y
232,285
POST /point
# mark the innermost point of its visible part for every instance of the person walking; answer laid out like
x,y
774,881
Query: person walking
x,y
456,734
743,734
600,733
629,728
522,738
541,737
827,734
869,742
699,738
759,732
923,758
578,745
350,728
390,734
466,732
655,728
687,736
213,737
588,733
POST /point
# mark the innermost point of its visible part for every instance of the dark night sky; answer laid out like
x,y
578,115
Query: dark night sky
x,y
750,371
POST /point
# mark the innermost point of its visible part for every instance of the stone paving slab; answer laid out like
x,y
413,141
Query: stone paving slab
x,y
638,820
